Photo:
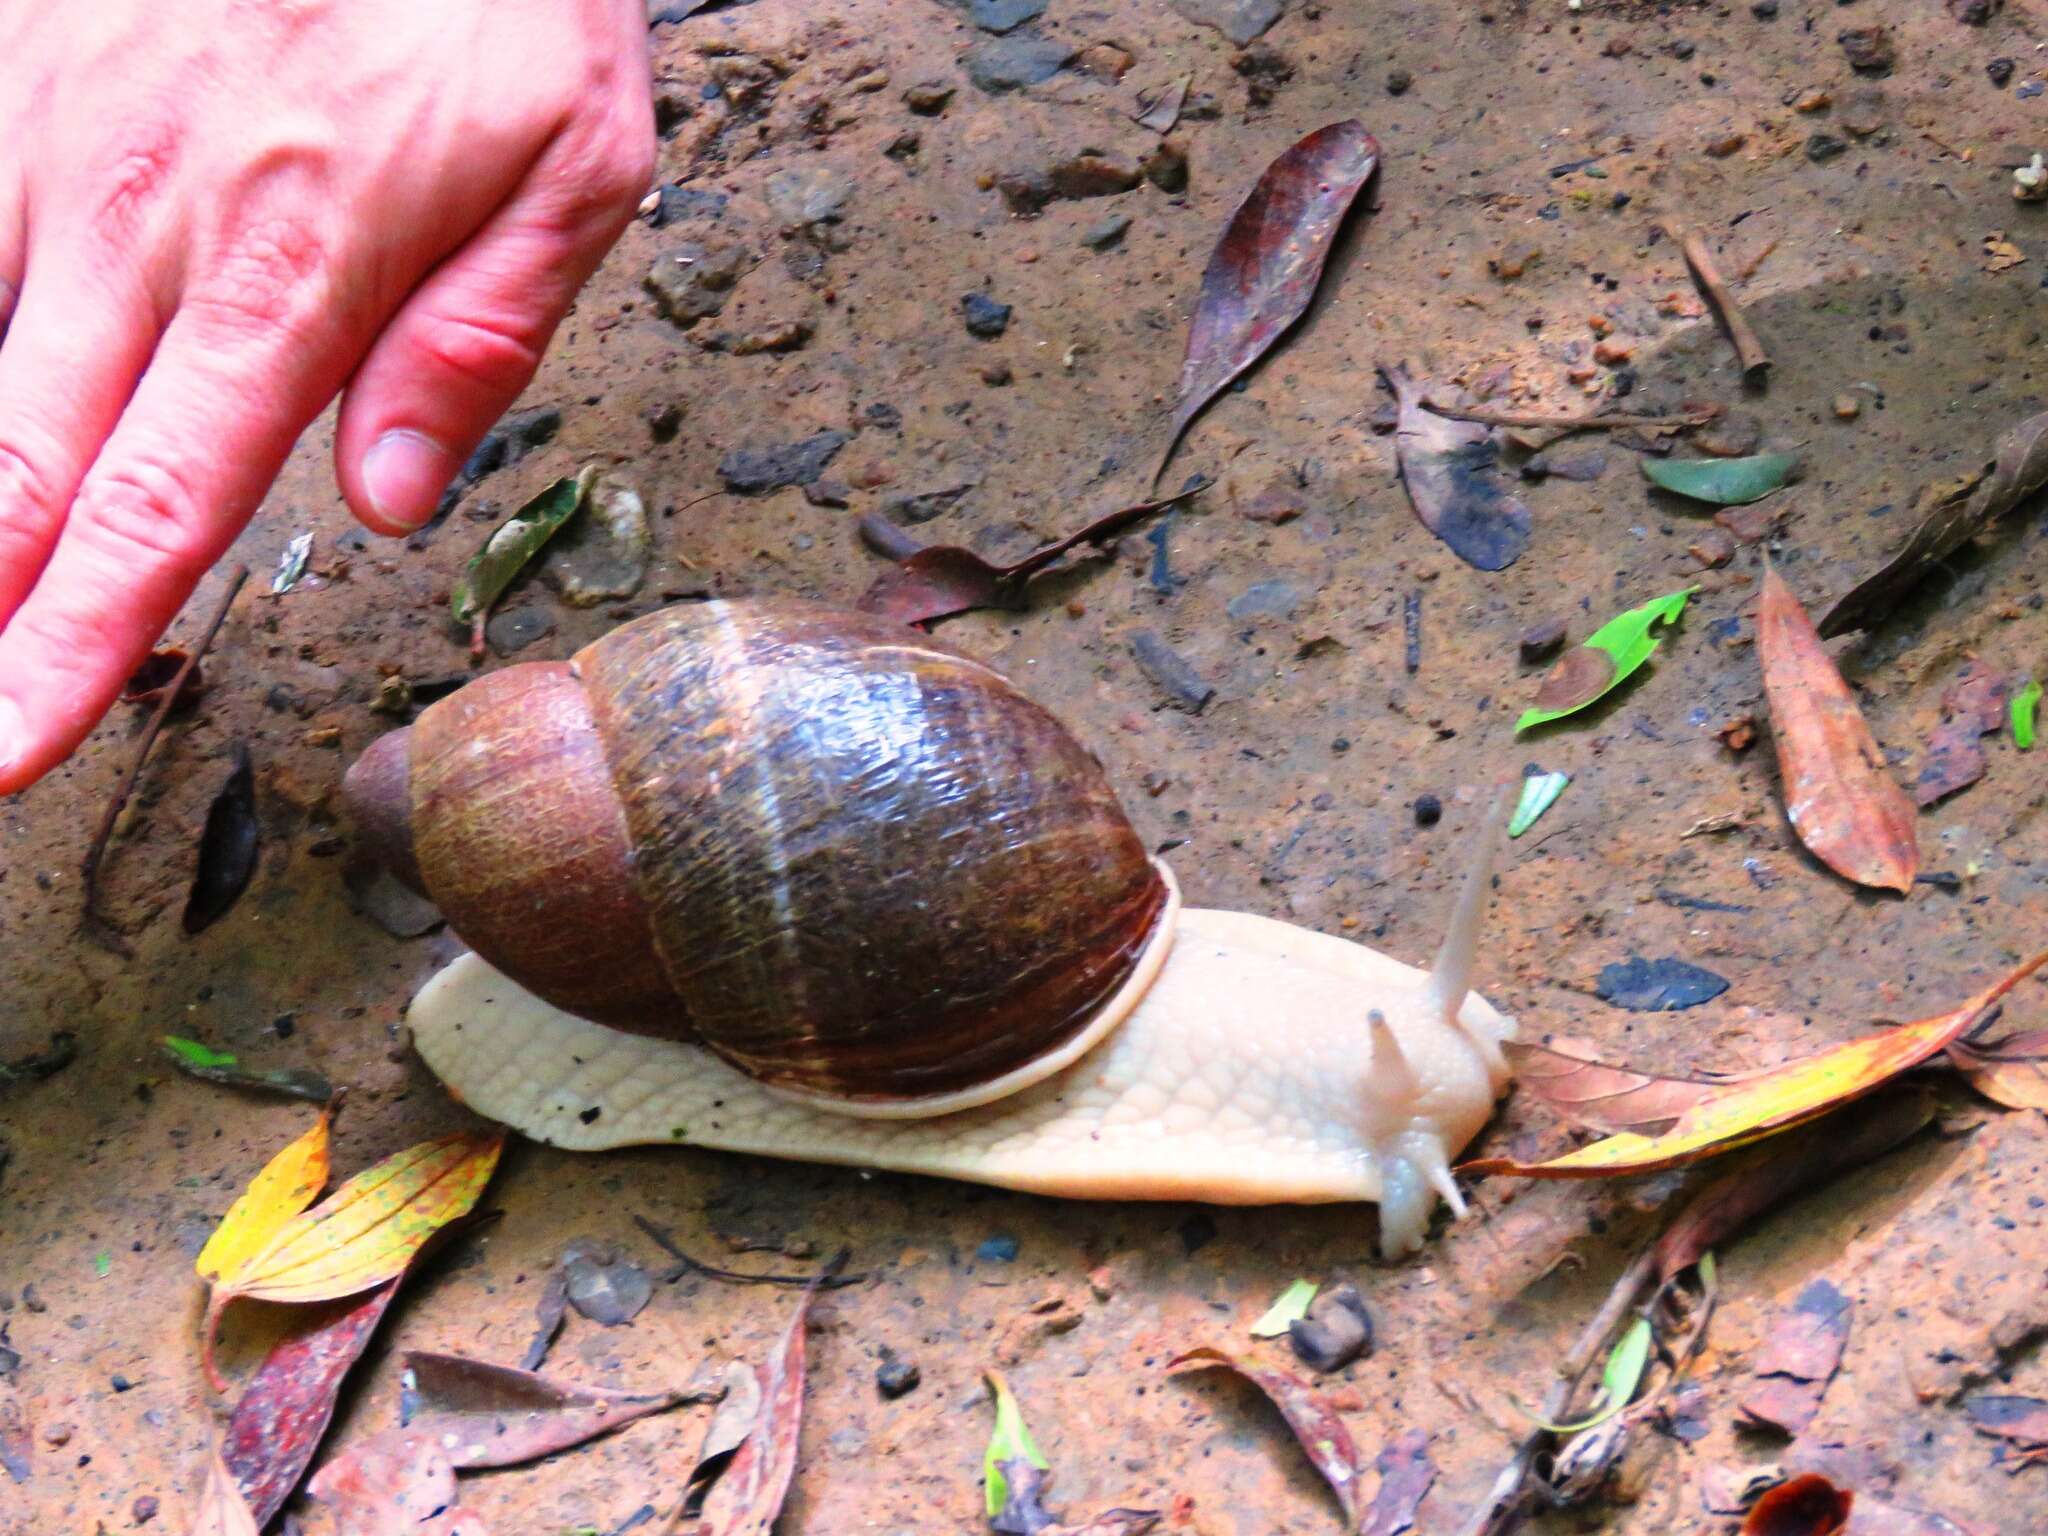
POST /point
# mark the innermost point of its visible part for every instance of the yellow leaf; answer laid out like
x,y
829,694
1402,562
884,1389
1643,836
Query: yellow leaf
x,y
1762,1105
222,1509
289,1183
363,1234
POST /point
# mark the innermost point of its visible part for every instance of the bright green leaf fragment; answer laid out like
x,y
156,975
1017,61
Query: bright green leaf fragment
x,y
192,1054
102,1264
1293,1304
1626,1363
511,544
1010,1441
1626,641
1724,482
1706,1267
2024,704
1539,794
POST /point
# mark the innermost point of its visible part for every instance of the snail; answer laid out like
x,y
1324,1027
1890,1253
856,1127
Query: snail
x,y
772,877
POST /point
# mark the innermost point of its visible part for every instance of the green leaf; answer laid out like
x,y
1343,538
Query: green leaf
x,y
1618,648
102,1264
2023,704
1724,482
511,544
1626,1363
1010,1441
1539,794
1293,1304
191,1053
1706,1269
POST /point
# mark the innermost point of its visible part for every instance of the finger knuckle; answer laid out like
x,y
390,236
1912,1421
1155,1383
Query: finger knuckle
x,y
149,512
138,173
23,482
490,349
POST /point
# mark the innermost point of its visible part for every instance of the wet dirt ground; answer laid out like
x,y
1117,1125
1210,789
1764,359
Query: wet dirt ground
x,y
1521,130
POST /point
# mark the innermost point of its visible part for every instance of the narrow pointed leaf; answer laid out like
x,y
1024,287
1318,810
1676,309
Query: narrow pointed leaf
x,y
1839,796
1723,482
1454,478
1316,1425
2024,704
365,1233
222,1509
1539,794
511,545
287,1184
228,847
1563,1074
1619,1379
1611,654
1008,1442
482,1415
1267,264
1292,1305
1761,1105
212,1066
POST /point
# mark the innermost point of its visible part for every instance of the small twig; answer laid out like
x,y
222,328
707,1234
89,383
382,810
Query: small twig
x,y
90,920
1594,423
1501,1509
685,1265
1756,363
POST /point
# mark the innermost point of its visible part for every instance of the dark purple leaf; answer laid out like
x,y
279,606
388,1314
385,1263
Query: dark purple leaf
x,y
1455,481
1316,1425
483,1415
227,847
1972,706
1265,269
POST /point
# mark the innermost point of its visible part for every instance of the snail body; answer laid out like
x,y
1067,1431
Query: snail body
x,y
772,878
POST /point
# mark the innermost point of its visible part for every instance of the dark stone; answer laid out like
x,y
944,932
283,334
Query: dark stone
x,y
883,417
515,436
757,471
1973,13
608,1291
693,281
1541,640
686,203
1429,810
928,98
664,421
1001,1249
984,316
1585,466
1868,49
1001,64
144,1509
1765,10
1658,986
895,1378
1999,71
1824,146
1003,15
1683,48
1025,192
904,145
120,1383
1398,82
1336,1331
1104,233
1167,167
1171,673
1238,20
923,507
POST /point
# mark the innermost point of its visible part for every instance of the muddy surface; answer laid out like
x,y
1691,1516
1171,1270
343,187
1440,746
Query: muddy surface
x,y
850,227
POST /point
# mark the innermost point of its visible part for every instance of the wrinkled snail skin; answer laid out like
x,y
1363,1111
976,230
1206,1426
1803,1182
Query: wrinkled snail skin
x,y
1007,991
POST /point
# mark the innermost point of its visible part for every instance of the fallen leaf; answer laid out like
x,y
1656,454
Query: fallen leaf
x,y
1609,656
286,1185
511,545
222,1509
1267,264
1723,482
1953,515
228,846
739,1406
1163,111
1316,1425
291,565
2023,706
363,1234
159,671
1454,479
385,1485
1619,1378
1009,1446
548,1310
1795,1164
1111,1522
1023,1512
940,580
2022,1420
1605,1098
1805,1506
2014,1072
1740,1112
1798,1359
1539,794
2000,254
1292,1304
1839,796
1406,1473
1658,986
203,1061
483,1415
1972,707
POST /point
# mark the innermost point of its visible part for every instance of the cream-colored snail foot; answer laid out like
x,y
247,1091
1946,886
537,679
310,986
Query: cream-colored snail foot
x,y
1251,1072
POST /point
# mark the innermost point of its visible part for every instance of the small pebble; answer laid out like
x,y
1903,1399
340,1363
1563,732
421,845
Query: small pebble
x,y
1824,146
144,1509
996,375
1713,548
894,1378
1764,10
1104,233
1541,640
1999,71
984,316
1724,146
1847,408
57,1434
120,1383
1398,82
928,98
997,1250
1429,810
1337,1330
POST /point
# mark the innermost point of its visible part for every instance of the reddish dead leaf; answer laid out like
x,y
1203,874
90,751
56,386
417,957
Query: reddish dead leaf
x,y
483,1415
1460,492
1805,1506
1315,1423
1973,706
940,580
749,1456
386,1485
1841,799
1799,1359
2021,1420
222,1510
1266,266
1406,1473
2012,1071
1591,1093
1785,1167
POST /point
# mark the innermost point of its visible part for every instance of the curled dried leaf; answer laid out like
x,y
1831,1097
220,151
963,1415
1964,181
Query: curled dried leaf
x,y
1315,1422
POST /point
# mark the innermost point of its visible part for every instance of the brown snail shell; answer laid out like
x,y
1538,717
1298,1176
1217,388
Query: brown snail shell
x,y
853,862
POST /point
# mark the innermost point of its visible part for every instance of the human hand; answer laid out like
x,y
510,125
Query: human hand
x,y
214,215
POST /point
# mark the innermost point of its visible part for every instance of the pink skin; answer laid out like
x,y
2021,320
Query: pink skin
x,y
215,215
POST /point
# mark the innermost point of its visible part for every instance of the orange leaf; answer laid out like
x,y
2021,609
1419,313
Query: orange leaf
x,y
363,1234
1840,798
222,1509
289,1183
1768,1102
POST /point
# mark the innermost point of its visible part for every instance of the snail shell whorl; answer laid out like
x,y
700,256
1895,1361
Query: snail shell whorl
x,y
858,864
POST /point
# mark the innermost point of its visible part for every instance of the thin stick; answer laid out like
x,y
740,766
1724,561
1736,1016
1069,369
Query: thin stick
x,y
1698,418
1749,351
685,1265
1501,1510
91,921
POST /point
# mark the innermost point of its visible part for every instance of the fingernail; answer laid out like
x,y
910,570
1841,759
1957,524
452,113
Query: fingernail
x,y
405,473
